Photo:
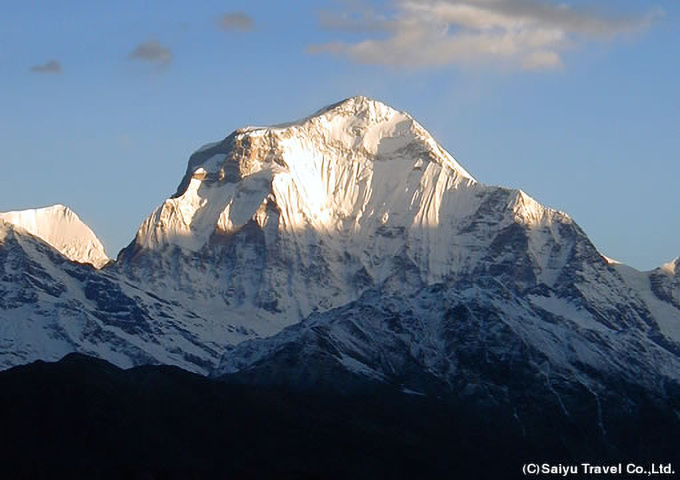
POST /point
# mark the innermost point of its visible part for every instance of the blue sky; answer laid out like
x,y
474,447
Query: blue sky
x,y
578,105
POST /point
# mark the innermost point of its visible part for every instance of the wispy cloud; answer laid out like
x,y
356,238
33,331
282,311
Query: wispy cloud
x,y
235,21
530,34
153,52
52,67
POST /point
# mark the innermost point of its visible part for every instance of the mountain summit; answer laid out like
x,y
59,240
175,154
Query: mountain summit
x,y
330,171
61,228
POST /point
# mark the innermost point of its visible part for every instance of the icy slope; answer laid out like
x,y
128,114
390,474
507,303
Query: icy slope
x,y
60,227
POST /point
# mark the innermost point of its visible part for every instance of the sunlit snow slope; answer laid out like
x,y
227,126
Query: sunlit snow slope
x,y
60,227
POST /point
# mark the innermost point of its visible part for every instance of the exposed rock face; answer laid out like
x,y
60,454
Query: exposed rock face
x,y
665,282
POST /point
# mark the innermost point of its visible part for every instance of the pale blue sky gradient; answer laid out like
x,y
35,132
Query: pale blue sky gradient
x,y
598,137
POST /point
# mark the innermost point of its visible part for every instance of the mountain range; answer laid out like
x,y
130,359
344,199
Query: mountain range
x,y
345,252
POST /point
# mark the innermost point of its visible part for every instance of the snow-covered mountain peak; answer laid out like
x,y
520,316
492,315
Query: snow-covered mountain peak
x,y
60,227
358,106
358,114
672,267
335,170
528,211
354,197
359,110
611,261
357,123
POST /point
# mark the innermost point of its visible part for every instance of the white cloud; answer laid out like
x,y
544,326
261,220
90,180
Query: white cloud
x,y
529,34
